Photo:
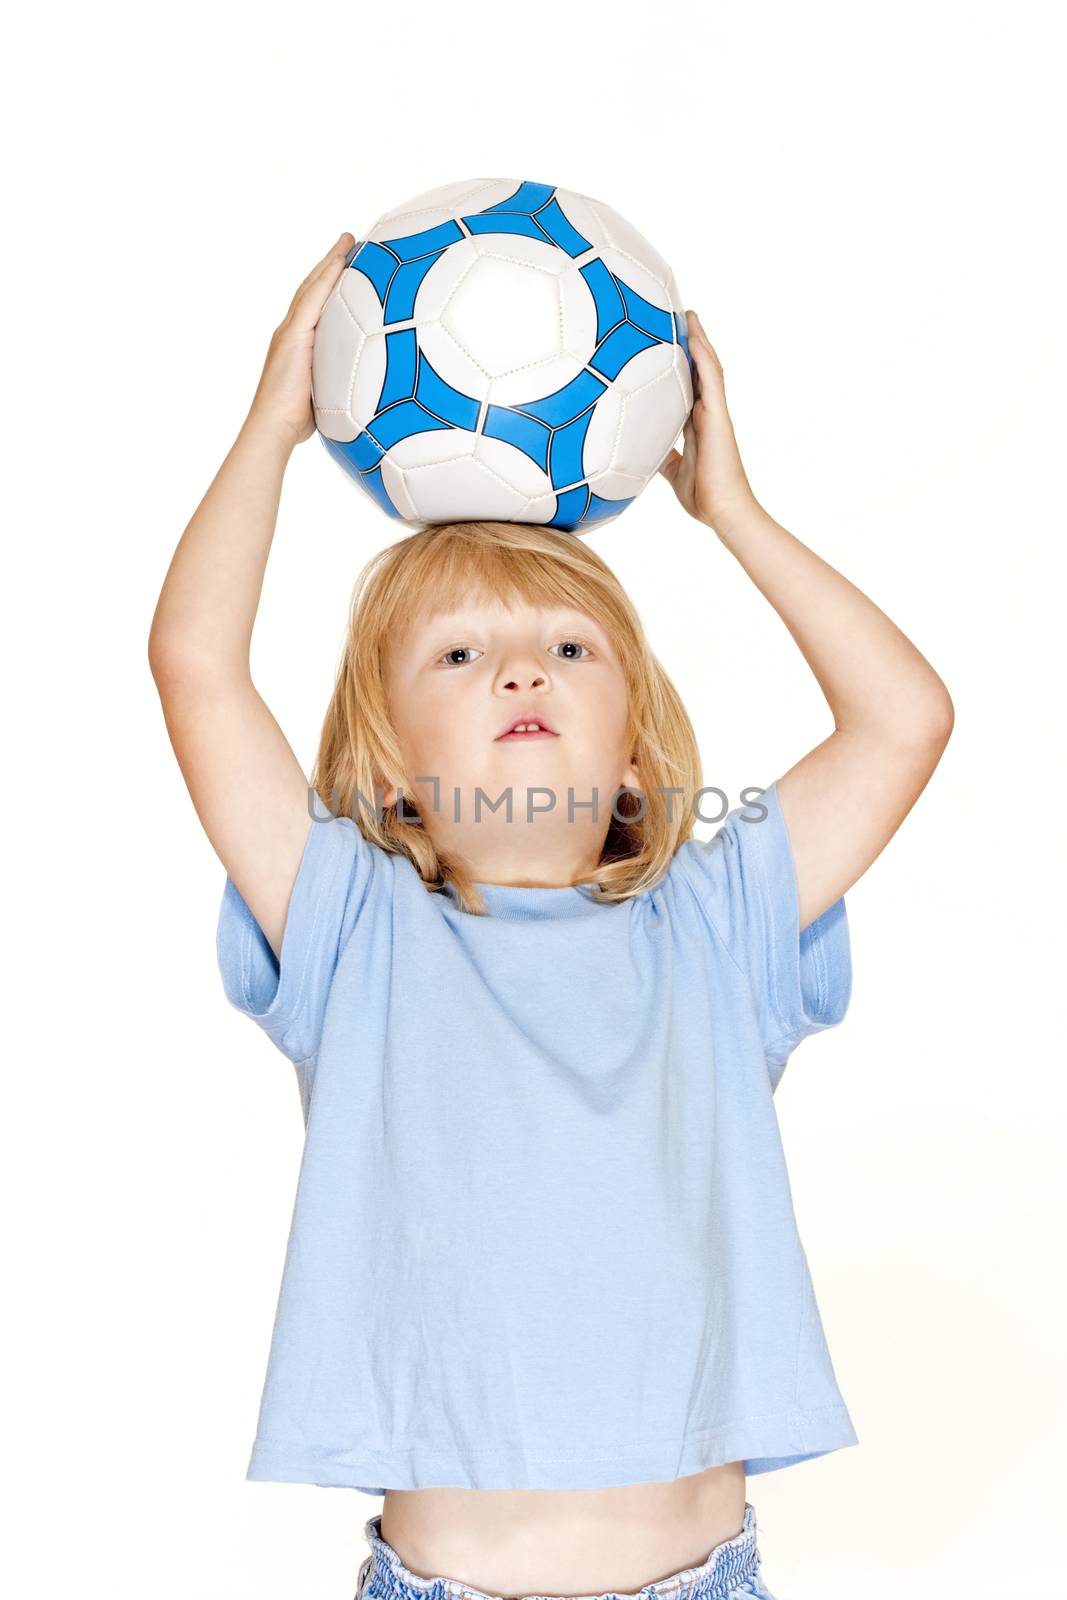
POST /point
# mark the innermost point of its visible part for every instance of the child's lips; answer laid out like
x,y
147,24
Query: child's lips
x,y
527,714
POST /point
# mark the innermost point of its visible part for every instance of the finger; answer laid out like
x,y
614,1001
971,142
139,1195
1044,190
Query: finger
x,y
307,307
329,265
340,247
696,327
702,351
670,464
677,461
700,342
708,391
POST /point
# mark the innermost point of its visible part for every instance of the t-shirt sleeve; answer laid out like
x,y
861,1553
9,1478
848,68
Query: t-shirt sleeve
x,y
745,876
288,997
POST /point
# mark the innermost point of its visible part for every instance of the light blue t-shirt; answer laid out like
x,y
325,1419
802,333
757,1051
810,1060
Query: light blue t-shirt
x,y
543,1235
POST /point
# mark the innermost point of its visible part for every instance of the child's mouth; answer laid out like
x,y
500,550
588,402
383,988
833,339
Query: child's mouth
x,y
520,733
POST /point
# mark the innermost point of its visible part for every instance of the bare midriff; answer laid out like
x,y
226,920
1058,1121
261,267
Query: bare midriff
x,y
561,1541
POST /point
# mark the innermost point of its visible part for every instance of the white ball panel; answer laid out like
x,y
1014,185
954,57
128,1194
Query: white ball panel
x,y
685,380
462,490
515,249
636,276
511,466
603,432
623,239
337,425
674,295
361,299
541,509
443,279
367,381
616,485
433,447
451,362
429,210
645,367
396,488
579,316
338,341
578,209
651,419
534,382
505,316
491,192
442,205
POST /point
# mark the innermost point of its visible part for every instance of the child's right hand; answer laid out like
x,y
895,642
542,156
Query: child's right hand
x,y
283,398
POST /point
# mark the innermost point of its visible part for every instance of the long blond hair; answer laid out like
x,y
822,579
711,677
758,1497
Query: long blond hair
x,y
435,569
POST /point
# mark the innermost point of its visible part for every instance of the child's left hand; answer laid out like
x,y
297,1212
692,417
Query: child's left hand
x,y
708,478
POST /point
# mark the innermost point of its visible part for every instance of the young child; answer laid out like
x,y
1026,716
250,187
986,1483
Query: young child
x,y
544,1290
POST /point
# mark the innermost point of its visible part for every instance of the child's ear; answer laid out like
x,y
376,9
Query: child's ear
x,y
631,778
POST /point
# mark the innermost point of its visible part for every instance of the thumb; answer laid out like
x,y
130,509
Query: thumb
x,y
669,467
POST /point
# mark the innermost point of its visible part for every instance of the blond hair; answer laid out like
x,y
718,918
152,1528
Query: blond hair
x,y
434,570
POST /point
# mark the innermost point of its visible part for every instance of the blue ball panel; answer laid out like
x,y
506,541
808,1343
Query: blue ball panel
x,y
354,457
568,444
527,197
460,410
531,437
525,226
610,306
407,280
377,265
421,244
566,403
599,508
562,231
618,348
357,455
570,508
372,482
401,365
650,319
401,421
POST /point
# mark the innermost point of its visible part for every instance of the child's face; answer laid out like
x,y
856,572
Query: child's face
x,y
455,681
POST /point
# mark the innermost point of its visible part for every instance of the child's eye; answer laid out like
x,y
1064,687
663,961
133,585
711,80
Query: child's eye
x,y
456,650
581,645
466,649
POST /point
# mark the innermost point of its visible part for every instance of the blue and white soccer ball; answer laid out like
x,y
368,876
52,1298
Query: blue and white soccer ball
x,y
503,350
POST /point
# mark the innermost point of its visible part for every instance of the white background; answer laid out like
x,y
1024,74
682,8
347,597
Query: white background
x,y
865,205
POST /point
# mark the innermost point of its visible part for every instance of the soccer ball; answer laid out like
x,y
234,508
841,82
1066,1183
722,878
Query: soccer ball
x,y
502,350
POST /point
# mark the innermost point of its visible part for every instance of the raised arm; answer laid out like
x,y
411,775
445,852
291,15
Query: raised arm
x,y
846,798
246,785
